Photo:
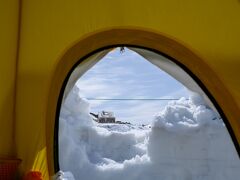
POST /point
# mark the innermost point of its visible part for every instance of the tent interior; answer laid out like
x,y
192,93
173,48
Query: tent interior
x,y
43,41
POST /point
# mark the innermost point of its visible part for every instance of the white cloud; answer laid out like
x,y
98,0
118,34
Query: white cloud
x,y
124,76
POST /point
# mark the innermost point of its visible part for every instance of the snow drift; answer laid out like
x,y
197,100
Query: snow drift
x,y
187,140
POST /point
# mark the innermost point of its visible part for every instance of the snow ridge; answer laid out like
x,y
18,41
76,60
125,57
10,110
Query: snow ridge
x,y
187,140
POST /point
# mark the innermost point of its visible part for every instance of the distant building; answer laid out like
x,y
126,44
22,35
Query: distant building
x,y
106,117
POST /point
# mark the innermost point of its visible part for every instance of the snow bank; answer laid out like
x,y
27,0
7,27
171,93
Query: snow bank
x,y
184,116
192,139
187,141
92,152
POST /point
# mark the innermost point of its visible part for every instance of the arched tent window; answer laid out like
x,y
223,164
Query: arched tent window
x,y
174,157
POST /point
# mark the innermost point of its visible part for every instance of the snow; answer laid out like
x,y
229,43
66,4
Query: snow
x,y
187,140
184,116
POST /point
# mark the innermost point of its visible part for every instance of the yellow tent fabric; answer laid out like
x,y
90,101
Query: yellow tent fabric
x,y
42,40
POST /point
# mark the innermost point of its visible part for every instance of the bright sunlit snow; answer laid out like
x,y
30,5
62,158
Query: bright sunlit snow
x,y
186,141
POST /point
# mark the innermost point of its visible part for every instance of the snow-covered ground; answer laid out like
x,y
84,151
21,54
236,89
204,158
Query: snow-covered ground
x,y
186,141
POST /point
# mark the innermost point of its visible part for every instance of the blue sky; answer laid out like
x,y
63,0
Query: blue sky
x,y
129,75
